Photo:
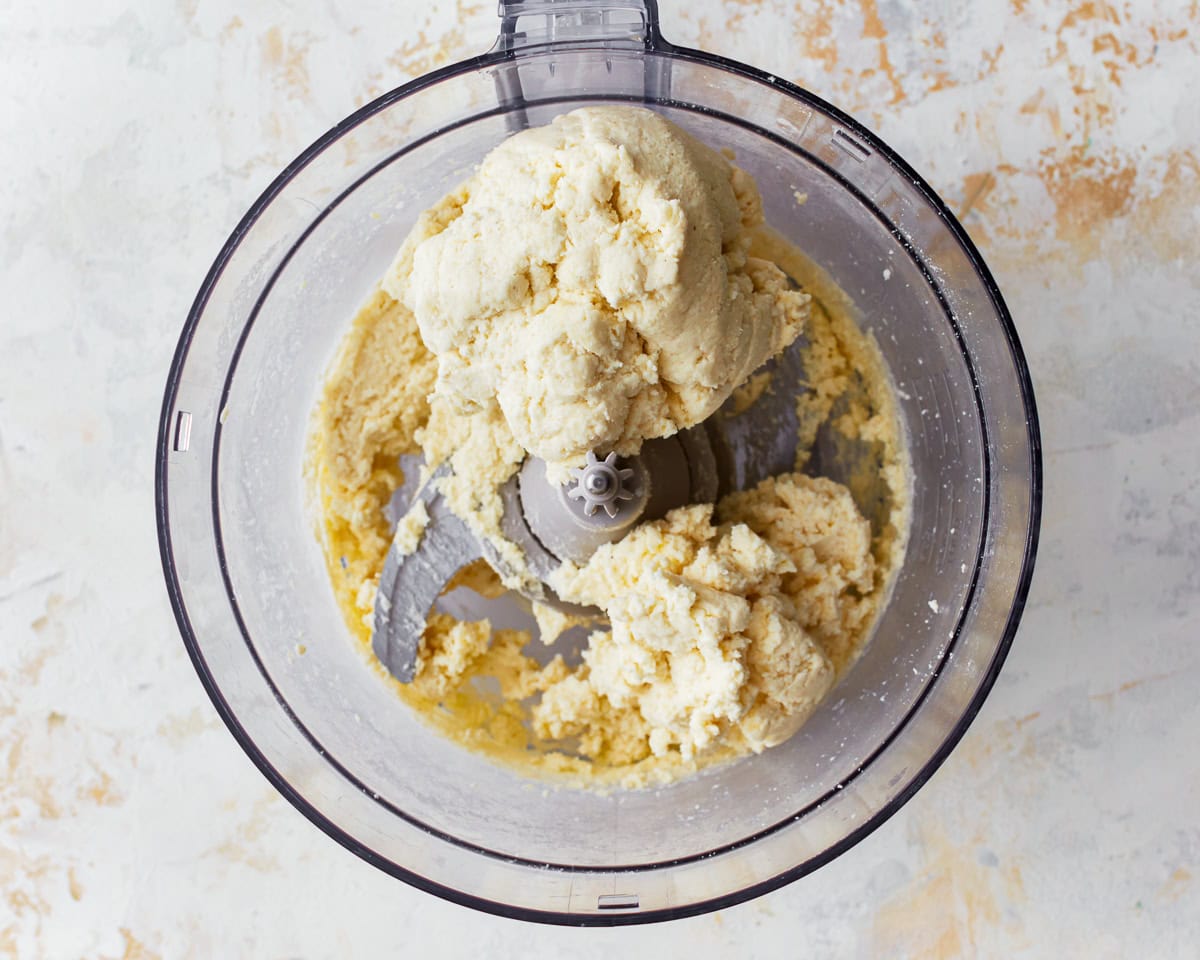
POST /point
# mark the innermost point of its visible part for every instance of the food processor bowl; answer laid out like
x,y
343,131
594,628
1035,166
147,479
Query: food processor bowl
x,y
247,579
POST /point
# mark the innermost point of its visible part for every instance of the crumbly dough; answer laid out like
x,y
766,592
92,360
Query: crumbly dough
x,y
410,529
729,623
373,402
455,650
593,280
714,627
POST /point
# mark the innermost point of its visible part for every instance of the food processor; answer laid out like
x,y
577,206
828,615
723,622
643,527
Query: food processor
x,y
248,583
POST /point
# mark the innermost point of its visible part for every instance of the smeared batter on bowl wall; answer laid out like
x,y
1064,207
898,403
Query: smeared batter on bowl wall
x,y
729,622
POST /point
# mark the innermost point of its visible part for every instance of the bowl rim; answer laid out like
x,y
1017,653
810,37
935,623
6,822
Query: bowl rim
x,y
655,46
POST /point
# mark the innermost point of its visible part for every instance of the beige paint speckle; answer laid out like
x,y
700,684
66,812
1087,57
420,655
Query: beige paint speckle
x,y
101,790
132,948
244,846
231,28
956,897
285,60
1178,883
74,887
178,728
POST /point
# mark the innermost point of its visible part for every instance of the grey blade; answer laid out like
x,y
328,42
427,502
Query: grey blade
x,y
410,584
760,442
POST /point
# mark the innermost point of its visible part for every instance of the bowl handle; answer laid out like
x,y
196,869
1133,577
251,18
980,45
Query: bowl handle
x,y
528,25
606,23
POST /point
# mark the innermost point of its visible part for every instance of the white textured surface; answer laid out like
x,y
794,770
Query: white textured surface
x,y
132,137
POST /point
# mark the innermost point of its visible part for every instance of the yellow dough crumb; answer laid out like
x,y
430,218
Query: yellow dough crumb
x,y
410,529
552,622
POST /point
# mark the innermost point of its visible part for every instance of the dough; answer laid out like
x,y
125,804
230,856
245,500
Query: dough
x,y
373,401
593,280
410,529
728,623
713,626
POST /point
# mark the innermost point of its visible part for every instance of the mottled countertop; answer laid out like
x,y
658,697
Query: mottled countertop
x,y
1065,135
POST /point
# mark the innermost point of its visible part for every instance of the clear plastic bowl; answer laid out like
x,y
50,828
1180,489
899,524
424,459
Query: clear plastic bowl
x,y
248,584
